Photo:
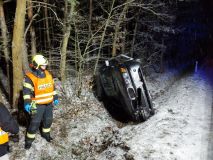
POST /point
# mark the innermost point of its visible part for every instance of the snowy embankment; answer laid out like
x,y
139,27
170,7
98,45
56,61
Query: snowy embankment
x,y
180,129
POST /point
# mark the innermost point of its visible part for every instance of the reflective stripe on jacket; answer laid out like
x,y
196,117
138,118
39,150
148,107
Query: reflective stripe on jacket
x,y
43,88
3,137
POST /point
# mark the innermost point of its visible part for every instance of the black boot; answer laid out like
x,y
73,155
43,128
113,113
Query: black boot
x,y
47,137
28,143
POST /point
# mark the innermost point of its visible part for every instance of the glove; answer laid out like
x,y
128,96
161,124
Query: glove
x,y
56,102
27,107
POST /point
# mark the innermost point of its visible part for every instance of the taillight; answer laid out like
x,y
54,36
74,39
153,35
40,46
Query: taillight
x,y
123,70
126,78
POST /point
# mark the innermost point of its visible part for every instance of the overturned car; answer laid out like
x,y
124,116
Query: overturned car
x,y
120,84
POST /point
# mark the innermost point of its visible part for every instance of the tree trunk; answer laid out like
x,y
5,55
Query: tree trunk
x,y
90,28
65,40
64,53
47,25
17,49
123,41
90,16
5,40
47,32
32,29
133,39
4,34
25,63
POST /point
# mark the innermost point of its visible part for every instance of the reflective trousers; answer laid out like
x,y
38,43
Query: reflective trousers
x,y
44,116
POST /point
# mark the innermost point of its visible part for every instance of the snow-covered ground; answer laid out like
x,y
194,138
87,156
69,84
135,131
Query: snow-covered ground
x,y
181,129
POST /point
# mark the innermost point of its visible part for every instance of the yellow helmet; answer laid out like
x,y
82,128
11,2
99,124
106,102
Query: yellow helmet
x,y
39,60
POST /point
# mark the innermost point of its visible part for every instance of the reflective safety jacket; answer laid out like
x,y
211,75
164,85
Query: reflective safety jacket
x,y
43,88
4,138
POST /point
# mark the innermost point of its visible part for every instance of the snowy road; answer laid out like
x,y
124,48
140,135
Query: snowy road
x,y
182,128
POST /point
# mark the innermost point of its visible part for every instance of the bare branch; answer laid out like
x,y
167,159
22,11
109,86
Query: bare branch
x,y
34,16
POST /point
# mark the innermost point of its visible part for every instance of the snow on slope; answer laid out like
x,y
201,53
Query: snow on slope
x,y
180,129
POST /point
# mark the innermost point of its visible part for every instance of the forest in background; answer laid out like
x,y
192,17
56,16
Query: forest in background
x,y
77,36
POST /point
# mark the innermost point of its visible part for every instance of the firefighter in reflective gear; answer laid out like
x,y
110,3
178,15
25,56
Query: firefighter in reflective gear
x,y
7,124
39,97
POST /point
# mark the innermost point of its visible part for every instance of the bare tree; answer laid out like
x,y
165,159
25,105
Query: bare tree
x,y
5,39
70,12
17,49
90,15
32,29
117,26
47,30
103,35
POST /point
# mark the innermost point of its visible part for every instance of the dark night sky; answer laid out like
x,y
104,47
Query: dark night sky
x,y
194,42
